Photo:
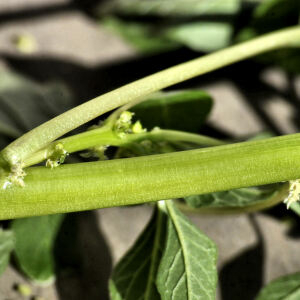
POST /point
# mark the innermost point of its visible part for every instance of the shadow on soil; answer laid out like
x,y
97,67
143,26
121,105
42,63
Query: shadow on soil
x,y
242,277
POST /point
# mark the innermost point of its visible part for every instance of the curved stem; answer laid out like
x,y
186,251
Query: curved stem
x,y
53,129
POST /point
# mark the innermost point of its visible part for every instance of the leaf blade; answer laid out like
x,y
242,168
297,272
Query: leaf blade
x,y
165,110
180,281
283,288
134,276
234,198
35,238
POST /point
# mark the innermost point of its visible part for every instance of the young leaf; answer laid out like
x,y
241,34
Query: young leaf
x,y
175,110
134,276
35,238
233,198
283,288
6,246
188,267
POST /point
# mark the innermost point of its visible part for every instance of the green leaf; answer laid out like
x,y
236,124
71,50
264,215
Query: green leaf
x,y
172,7
202,36
234,198
6,246
283,288
134,276
184,111
35,238
188,268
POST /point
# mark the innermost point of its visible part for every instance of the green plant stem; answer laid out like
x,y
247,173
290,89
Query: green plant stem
x,y
175,135
41,136
106,136
281,194
138,180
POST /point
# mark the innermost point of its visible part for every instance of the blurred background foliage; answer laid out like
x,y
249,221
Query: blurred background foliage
x,y
204,26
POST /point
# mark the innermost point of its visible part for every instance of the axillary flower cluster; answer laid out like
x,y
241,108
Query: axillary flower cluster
x,y
124,125
15,177
17,174
294,193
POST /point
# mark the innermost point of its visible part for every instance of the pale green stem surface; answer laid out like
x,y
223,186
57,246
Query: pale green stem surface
x,y
55,128
105,136
138,180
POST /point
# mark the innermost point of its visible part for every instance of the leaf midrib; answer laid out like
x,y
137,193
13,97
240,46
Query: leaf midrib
x,y
173,216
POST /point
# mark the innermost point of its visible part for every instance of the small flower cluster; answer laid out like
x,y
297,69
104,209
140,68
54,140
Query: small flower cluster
x,y
124,126
294,193
58,157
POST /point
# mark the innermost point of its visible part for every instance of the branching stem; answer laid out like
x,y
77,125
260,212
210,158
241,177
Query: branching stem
x,y
106,136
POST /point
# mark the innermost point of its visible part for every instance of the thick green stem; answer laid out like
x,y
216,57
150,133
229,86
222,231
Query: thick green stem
x,y
106,136
53,129
138,180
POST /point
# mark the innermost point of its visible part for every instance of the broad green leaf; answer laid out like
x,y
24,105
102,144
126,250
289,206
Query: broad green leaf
x,y
188,267
175,110
234,198
283,288
6,246
172,7
202,36
134,276
35,238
